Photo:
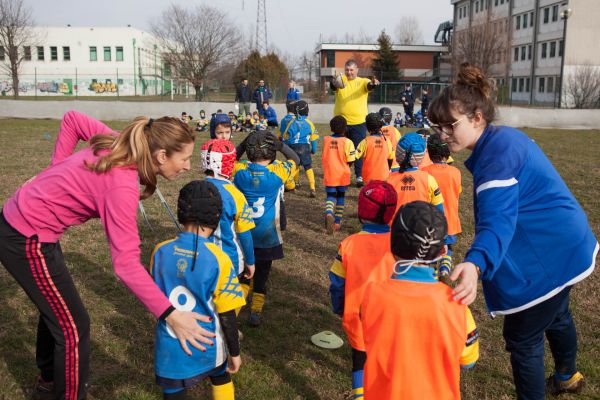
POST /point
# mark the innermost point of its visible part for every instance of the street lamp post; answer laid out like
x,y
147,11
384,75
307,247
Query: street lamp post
x,y
564,15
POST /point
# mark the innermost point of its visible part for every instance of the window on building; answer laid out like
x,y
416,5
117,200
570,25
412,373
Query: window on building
x,y
514,85
107,53
331,59
53,53
544,49
541,84
523,53
527,85
524,21
521,84
546,14
496,3
529,51
555,13
27,53
531,18
518,22
93,53
561,48
552,49
550,86
40,53
119,55
2,53
66,53
501,1
476,6
516,57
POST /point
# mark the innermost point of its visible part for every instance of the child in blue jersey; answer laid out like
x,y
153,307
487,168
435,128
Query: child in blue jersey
x,y
298,132
233,235
197,276
262,181
398,122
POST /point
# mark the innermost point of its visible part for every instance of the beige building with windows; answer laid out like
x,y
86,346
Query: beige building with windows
x,y
543,40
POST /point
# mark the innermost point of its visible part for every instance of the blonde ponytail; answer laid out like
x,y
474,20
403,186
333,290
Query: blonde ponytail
x,y
137,146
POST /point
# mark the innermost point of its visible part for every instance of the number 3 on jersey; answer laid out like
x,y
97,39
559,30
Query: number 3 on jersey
x,y
258,208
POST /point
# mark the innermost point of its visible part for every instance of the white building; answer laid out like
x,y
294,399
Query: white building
x,y
82,61
531,66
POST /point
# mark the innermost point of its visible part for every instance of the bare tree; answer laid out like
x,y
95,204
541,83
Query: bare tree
x,y
478,45
309,63
16,32
195,40
408,31
582,89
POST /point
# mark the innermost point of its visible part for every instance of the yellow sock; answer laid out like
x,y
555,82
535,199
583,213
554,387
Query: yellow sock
x,y
297,176
310,175
258,301
245,291
223,392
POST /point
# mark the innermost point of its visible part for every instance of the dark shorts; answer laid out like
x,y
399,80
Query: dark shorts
x,y
303,151
168,383
269,254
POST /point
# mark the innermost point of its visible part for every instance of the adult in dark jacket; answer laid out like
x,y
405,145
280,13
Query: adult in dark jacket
x,y
243,96
261,94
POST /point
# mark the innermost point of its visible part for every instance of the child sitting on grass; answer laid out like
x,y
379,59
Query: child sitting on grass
x,y
197,276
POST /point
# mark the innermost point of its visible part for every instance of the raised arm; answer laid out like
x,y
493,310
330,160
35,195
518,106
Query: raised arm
x,y
74,127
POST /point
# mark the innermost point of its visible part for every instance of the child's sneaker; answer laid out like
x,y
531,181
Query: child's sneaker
x,y
359,182
574,384
337,226
43,390
329,223
254,319
313,193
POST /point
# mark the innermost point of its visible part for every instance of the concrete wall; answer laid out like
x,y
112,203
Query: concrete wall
x,y
319,113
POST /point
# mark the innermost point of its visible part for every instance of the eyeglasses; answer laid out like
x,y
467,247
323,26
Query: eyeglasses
x,y
446,129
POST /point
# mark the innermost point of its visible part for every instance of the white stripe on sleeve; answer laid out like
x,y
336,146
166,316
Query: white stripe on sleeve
x,y
496,184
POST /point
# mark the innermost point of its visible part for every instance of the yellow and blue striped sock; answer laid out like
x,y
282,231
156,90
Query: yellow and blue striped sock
x,y
357,384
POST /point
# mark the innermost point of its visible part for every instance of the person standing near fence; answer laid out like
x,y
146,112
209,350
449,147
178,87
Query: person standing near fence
x,y
243,96
351,96
261,94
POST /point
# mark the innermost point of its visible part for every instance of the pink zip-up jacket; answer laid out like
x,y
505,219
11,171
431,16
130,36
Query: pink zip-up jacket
x,y
67,193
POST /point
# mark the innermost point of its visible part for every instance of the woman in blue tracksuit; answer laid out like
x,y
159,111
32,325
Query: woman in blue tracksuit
x,y
532,239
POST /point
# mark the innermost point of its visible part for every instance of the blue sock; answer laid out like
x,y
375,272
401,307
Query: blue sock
x,y
357,384
330,201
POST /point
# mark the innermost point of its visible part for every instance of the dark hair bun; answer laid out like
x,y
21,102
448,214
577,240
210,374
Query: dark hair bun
x,y
472,76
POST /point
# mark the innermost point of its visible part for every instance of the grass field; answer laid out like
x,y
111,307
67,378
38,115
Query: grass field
x,y
279,361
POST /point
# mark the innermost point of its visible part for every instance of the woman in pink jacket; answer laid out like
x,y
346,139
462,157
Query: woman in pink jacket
x,y
100,181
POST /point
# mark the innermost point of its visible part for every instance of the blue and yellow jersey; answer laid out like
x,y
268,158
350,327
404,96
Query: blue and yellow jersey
x,y
263,188
210,288
236,219
297,130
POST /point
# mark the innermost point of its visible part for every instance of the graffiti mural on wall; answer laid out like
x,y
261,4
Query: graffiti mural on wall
x,y
82,85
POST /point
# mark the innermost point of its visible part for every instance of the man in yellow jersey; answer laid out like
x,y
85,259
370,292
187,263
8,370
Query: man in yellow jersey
x,y
351,94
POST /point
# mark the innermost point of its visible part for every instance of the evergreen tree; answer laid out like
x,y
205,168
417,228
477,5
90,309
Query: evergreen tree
x,y
385,65
256,67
